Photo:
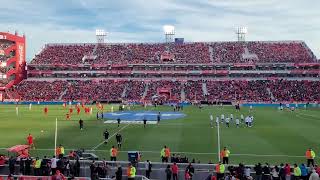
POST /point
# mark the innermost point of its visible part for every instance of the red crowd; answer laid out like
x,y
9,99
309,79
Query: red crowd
x,y
188,53
63,54
217,91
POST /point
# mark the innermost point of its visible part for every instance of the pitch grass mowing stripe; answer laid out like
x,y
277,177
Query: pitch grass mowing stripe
x,y
110,137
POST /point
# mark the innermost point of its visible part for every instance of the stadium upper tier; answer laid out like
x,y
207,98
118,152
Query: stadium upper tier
x,y
171,91
187,53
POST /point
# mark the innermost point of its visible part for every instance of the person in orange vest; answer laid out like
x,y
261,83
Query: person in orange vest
x,y
167,154
220,169
225,153
58,151
131,172
113,154
310,155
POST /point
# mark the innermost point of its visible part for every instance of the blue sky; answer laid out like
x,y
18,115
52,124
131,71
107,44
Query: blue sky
x,y
68,21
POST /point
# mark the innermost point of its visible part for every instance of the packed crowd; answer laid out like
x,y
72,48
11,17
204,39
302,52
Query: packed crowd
x,y
193,91
192,53
93,90
294,52
251,91
217,91
307,91
135,90
40,90
63,54
227,52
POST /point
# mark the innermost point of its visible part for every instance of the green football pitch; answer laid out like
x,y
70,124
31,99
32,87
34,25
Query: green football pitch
x,y
277,136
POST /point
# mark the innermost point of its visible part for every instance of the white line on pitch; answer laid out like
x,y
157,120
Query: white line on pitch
x,y
110,137
196,153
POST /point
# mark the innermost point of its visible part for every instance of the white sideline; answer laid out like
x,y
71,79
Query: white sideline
x,y
158,152
110,137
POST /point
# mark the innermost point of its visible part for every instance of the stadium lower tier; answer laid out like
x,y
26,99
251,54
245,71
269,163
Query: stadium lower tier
x,y
169,91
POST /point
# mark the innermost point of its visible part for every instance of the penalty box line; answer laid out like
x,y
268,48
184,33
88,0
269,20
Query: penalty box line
x,y
110,137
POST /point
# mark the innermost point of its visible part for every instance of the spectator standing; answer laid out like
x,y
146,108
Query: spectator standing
x,y
304,172
12,162
190,170
275,173
93,170
258,169
76,168
287,170
28,166
175,170
282,173
314,175
296,172
168,172
53,164
119,173
22,165
266,172
148,167
37,167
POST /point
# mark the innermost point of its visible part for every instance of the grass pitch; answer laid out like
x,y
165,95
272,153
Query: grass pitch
x,y
277,136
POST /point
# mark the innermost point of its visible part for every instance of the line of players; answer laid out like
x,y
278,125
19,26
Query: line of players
x,y
248,120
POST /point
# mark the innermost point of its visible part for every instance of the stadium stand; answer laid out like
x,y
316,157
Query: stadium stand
x,y
200,71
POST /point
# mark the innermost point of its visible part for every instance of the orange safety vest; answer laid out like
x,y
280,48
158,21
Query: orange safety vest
x,y
310,154
114,152
167,152
58,151
129,172
225,153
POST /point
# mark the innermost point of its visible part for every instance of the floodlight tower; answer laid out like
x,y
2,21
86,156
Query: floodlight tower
x,y
241,33
100,34
169,33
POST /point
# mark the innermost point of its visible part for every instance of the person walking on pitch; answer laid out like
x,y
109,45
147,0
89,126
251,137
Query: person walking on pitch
x,y
118,120
119,140
81,124
106,136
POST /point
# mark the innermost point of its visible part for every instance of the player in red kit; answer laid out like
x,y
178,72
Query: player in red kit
x,y
45,110
67,116
78,110
30,140
71,110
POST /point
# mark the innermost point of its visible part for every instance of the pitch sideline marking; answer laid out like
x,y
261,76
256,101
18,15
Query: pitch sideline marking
x,y
156,152
110,137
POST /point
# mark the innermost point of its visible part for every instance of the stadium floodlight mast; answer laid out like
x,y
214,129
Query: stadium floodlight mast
x,y
241,33
100,34
169,32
